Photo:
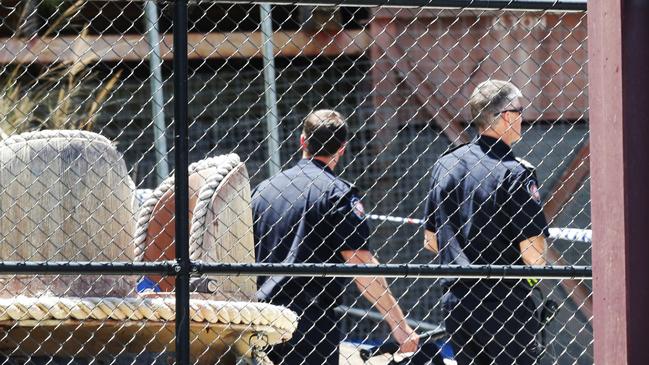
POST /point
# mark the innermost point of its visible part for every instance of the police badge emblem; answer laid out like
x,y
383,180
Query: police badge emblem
x,y
357,208
533,190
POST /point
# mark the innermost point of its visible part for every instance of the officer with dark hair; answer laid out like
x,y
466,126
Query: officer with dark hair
x,y
484,208
306,214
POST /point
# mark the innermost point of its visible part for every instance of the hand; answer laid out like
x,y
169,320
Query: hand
x,y
407,338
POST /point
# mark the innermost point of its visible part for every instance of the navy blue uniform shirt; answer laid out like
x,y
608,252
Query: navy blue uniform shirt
x,y
306,214
483,202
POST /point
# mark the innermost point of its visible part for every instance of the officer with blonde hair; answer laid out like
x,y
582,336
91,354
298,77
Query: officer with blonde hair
x,y
484,208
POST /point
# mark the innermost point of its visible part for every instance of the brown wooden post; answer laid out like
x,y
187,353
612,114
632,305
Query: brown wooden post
x,y
619,111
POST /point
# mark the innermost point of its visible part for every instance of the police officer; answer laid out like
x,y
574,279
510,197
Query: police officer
x,y
484,208
306,214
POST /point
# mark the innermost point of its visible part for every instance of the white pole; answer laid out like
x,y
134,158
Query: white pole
x,y
569,234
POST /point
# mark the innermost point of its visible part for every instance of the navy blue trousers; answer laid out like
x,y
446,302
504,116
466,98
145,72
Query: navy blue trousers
x,y
492,331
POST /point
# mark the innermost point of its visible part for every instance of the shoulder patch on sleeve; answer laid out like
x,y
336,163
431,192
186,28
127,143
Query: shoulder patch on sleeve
x,y
526,164
357,207
533,190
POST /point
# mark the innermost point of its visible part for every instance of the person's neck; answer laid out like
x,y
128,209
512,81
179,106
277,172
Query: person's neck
x,y
494,134
329,161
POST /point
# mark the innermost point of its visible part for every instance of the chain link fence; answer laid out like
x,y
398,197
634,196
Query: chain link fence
x,y
88,195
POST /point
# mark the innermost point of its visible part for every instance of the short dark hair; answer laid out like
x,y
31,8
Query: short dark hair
x,y
325,132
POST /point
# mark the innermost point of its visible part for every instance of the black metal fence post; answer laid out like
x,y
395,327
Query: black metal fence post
x,y
181,181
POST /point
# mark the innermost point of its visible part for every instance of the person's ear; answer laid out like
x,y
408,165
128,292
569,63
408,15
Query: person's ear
x,y
341,150
504,122
303,142
512,117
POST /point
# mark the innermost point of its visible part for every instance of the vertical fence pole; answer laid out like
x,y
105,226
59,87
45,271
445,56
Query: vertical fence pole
x,y
157,95
181,181
270,90
619,104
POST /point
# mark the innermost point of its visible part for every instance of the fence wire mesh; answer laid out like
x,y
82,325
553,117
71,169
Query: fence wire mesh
x,y
86,151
